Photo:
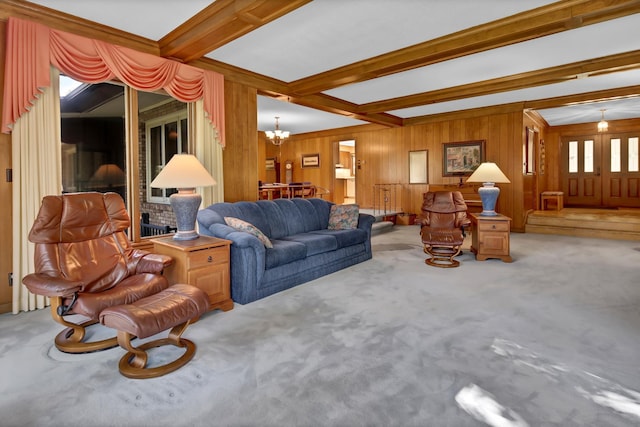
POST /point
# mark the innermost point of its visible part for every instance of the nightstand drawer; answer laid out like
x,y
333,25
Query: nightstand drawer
x,y
493,225
208,256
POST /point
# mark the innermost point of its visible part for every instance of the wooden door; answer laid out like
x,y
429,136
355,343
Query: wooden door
x,y
620,170
601,170
581,174
530,169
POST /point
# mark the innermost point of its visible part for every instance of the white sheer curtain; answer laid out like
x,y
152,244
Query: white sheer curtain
x,y
209,151
37,165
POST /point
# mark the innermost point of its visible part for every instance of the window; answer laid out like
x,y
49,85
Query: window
x,y
92,137
165,137
615,155
529,152
633,154
573,156
97,141
588,156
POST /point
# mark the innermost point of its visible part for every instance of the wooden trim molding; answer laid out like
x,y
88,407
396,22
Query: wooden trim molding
x,y
220,23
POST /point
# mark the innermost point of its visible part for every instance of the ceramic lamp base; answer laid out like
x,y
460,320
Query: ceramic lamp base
x,y
185,204
489,195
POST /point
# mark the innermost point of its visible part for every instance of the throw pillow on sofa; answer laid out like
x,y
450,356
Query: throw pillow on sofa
x,y
241,225
343,217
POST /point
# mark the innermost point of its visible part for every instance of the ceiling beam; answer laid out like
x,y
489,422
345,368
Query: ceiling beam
x,y
584,98
582,69
337,106
538,104
274,88
220,23
514,107
550,19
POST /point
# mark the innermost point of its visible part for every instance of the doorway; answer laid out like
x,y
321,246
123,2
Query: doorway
x,y
345,172
601,170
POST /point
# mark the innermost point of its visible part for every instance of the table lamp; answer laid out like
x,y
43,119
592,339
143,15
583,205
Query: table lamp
x,y
108,175
488,174
185,173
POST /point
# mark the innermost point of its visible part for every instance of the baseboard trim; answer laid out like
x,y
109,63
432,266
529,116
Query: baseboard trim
x,y
6,307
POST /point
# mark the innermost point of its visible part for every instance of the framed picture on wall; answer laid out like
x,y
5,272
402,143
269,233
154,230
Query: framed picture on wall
x,y
462,158
311,160
418,167
270,164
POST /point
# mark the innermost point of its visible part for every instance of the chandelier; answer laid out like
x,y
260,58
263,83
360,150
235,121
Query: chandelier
x,y
603,126
277,136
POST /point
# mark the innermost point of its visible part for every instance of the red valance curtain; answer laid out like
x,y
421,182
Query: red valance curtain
x,y
31,47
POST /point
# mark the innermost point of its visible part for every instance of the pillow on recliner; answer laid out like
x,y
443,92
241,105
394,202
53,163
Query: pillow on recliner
x,y
241,225
343,217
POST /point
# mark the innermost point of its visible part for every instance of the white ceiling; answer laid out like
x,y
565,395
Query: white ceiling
x,y
326,34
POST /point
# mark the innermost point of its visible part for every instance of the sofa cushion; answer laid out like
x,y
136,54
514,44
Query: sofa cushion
x,y
323,209
241,225
345,238
253,214
343,217
276,217
284,252
293,217
315,243
311,215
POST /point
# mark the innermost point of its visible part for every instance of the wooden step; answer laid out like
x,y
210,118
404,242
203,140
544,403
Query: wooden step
x,y
622,224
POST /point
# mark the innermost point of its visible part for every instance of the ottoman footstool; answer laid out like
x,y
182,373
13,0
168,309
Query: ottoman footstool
x,y
172,308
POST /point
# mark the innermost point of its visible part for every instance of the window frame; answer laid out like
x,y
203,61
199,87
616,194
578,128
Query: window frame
x,y
162,122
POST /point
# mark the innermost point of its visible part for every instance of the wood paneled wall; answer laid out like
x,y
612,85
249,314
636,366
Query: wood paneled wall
x,y
383,157
240,156
533,184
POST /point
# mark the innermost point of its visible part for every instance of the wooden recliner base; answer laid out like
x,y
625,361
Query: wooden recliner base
x,y
71,339
442,256
133,363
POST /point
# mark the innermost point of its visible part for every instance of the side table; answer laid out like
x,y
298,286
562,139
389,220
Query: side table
x,y
201,262
490,237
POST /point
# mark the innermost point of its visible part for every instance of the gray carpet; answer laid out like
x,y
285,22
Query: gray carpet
x,y
552,339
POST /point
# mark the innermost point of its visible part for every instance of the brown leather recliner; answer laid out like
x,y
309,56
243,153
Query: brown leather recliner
x,y
443,218
85,262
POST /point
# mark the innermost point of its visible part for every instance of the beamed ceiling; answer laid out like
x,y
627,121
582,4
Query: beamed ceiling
x,y
325,64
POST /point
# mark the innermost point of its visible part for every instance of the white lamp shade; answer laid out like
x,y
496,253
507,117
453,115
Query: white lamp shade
x,y
183,171
488,172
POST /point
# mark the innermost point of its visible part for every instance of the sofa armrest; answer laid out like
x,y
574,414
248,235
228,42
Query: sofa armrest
x,y
365,221
208,218
248,259
240,239
50,286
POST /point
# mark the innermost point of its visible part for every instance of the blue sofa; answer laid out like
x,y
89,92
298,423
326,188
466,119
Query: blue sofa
x,y
303,248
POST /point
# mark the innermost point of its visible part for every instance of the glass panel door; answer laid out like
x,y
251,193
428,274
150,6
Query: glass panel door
x,y
581,179
621,178
601,170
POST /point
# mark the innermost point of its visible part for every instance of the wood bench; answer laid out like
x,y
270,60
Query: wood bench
x,y
556,196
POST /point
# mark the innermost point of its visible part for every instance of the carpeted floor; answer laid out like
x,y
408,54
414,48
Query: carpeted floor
x,y
551,339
